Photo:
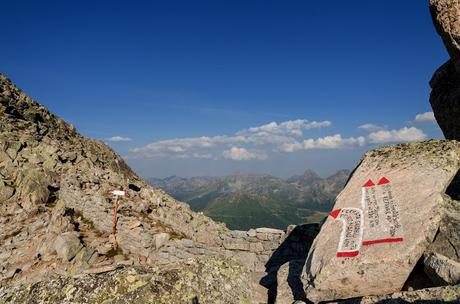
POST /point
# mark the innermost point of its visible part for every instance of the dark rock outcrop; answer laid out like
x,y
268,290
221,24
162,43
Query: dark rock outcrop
x,y
445,83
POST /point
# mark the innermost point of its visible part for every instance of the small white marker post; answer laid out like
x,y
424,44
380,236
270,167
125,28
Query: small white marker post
x,y
117,194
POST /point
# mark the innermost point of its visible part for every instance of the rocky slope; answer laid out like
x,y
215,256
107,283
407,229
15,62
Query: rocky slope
x,y
56,222
244,201
55,182
203,280
56,211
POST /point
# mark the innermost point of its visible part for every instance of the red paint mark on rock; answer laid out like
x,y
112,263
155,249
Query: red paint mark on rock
x,y
383,181
347,254
335,213
388,240
369,183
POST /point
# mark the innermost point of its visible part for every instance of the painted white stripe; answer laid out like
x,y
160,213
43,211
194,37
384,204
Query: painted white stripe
x,y
118,192
344,231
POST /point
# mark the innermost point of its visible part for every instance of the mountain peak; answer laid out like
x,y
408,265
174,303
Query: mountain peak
x,y
310,174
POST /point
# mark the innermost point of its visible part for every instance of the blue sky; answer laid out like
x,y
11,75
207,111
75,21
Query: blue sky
x,y
156,76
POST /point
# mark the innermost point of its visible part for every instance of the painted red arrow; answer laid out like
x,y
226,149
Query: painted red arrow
x,y
383,181
369,183
335,213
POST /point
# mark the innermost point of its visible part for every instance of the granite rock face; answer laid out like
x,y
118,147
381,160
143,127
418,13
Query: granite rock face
x,y
383,221
445,83
442,270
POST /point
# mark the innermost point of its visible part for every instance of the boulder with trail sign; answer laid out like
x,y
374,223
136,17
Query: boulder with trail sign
x,y
382,222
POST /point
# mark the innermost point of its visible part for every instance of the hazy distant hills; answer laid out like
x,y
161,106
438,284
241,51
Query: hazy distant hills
x,y
244,201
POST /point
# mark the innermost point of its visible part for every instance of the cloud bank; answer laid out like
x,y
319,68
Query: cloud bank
x,y
257,143
393,136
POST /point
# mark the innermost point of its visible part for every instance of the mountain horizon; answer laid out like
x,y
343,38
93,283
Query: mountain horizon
x,y
248,200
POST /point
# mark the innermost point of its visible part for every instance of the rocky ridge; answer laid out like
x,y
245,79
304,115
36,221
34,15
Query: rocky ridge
x,y
244,201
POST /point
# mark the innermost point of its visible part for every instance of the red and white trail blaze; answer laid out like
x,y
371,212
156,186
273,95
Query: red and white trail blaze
x,y
379,214
352,231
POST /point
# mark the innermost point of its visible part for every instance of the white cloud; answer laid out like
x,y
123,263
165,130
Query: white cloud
x,y
402,135
248,144
328,142
180,146
290,146
118,139
370,127
239,153
290,127
425,117
333,142
273,134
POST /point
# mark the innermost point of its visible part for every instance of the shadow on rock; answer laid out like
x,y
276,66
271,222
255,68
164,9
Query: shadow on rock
x,y
294,251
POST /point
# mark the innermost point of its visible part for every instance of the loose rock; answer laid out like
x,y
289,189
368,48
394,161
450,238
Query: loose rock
x,y
67,245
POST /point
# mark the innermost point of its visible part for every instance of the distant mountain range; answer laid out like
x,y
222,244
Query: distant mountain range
x,y
244,201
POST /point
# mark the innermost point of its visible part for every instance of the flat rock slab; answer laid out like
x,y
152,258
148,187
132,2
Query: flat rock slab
x,y
382,222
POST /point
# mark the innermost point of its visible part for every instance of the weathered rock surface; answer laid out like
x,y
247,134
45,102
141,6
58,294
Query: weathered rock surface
x,y
445,15
442,270
160,239
445,83
436,295
447,240
383,221
67,245
203,280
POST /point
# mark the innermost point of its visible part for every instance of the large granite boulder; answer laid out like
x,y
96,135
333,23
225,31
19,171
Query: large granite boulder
x,y
445,83
383,221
